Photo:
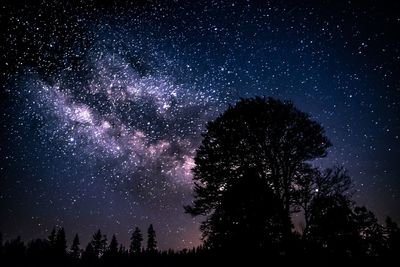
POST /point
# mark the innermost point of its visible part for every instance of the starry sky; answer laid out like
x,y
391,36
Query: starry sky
x,y
102,105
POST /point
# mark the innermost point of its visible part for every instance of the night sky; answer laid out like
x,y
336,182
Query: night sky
x,y
102,105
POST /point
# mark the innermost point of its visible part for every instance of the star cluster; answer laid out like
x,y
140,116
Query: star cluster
x,y
103,105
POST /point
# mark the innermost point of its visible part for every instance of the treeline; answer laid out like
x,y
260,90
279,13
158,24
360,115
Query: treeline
x,y
376,243
55,251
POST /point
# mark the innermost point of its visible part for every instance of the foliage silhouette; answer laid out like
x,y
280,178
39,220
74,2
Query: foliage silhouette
x,y
151,239
99,244
331,226
57,245
113,247
75,251
254,218
314,184
261,137
393,238
111,255
89,256
136,242
371,233
60,244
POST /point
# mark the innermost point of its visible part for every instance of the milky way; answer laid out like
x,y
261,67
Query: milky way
x,y
104,104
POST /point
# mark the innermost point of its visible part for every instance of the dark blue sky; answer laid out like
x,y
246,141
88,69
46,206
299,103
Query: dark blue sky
x,y
102,105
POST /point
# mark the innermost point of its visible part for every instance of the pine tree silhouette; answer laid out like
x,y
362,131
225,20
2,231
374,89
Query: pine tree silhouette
x,y
136,242
52,238
113,247
89,256
151,239
60,244
75,251
99,243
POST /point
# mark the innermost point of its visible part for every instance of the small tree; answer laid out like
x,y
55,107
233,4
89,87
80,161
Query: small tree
x,y
113,247
393,237
99,243
61,243
332,227
312,184
371,233
52,238
89,255
151,239
57,244
75,250
136,242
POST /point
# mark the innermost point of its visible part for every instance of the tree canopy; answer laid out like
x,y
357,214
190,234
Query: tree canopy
x,y
261,139
151,239
136,242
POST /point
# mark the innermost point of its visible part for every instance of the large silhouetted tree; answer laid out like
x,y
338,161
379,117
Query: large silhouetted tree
x,y
261,137
151,239
136,242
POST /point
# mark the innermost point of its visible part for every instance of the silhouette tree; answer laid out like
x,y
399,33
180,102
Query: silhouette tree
x,y
57,245
371,233
249,223
136,242
113,247
123,254
37,251
99,243
121,250
151,239
75,251
89,256
1,245
392,232
60,244
313,184
52,238
265,137
332,228
111,255
14,251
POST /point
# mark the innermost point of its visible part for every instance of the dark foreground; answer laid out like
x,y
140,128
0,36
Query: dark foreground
x,y
200,258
